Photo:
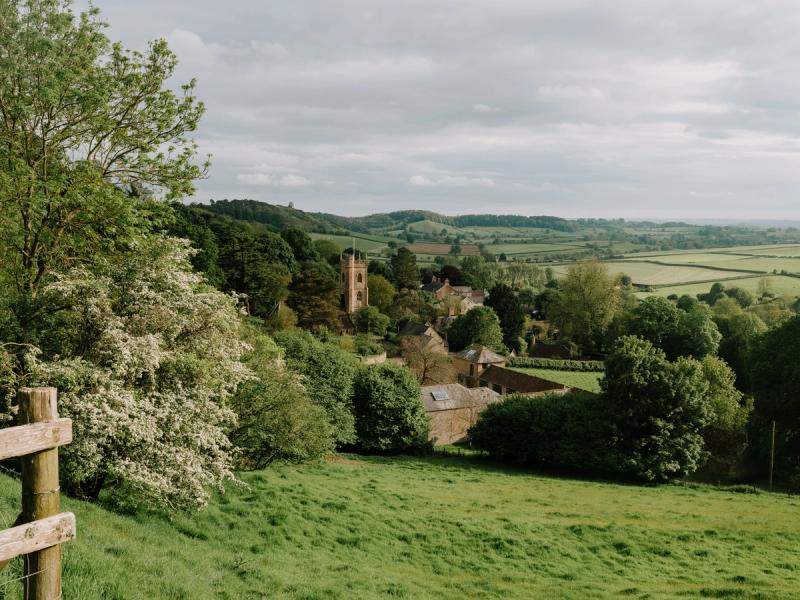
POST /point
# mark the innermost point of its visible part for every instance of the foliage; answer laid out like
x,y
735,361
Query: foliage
x,y
404,269
557,364
381,292
586,305
314,297
656,410
775,377
505,303
366,345
739,331
328,250
301,244
276,418
431,365
370,320
146,360
477,326
478,273
411,304
390,416
328,374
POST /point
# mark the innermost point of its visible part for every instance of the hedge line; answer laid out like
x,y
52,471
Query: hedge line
x,y
557,364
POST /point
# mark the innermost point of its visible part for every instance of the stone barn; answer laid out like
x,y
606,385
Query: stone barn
x,y
453,409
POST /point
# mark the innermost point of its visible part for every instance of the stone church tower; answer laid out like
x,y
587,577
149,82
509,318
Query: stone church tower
x,y
354,283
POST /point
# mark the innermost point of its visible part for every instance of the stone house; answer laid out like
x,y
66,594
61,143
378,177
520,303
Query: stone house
x,y
453,408
430,337
472,361
439,289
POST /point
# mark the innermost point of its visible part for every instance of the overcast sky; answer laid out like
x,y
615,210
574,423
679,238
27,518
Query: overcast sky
x,y
623,108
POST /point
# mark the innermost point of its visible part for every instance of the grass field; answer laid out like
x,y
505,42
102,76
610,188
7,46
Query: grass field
x,y
366,244
583,380
435,528
513,249
778,284
439,249
647,273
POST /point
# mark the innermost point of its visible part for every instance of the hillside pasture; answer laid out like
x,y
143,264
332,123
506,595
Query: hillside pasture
x,y
651,273
439,528
442,249
778,284
785,251
532,248
364,243
583,380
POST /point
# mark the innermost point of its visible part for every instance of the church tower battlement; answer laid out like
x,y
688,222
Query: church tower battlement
x,y
354,283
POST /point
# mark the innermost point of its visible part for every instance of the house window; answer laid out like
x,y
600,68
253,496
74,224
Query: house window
x,y
497,388
359,299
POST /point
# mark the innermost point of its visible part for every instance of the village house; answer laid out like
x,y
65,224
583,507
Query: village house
x,y
425,332
453,408
439,289
472,361
507,381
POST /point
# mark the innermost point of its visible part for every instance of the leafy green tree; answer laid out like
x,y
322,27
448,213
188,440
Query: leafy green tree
x,y
478,326
743,297
314,297
775,377
378,267
656,410
328,250
739,332
91,133
192,224
276,418
328,373
478,273
586,305
411,304
390,416
506,304
381,292
405,270
301,244
370,320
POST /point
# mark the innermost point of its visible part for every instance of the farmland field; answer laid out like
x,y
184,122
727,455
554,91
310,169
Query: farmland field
x,y
367,244
646,273
583,380
790,251
532,248
434,528
778,284
439,249
700,258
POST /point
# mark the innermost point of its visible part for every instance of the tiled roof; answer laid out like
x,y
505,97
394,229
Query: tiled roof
x,y
481,355
518,382
454,395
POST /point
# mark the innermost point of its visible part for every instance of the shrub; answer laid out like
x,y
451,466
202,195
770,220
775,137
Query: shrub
x,y
557,364
390,416
276,418
366,345
370,320
328,373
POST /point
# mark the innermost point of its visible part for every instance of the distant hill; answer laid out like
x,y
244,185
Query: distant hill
x,y
280,217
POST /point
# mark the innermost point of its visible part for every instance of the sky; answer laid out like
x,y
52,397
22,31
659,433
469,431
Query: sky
x,y
621,109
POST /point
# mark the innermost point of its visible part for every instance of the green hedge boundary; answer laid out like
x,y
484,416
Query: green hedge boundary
x,y
557,364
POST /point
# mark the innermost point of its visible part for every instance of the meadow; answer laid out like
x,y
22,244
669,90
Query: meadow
x,y
434,528
583,380
652,273
777,284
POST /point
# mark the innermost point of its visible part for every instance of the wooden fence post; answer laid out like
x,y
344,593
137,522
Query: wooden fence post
x,y
40,496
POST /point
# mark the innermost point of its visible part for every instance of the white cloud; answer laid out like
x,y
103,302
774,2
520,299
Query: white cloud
x,y
450,181
288,180
485,108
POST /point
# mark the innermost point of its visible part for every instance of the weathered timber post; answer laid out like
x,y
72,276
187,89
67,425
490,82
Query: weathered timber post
x,y
40,496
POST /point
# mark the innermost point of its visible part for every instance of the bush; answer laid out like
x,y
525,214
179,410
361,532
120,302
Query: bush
x,y
328,373
366,345
370,320
276,418
557,364
390,416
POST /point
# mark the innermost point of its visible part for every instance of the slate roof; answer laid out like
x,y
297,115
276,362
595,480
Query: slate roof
x,y
455,395
433,286
518,382
480,355
415,329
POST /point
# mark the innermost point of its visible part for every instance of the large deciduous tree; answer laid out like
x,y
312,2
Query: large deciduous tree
x,y
88,132
405,270
478,326
505,302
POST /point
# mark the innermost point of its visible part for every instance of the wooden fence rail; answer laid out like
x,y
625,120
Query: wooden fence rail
x,y
41,527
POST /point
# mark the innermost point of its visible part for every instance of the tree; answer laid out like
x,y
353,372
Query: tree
x,y
328,250
775,379
90,135
404,269
276,419
381,292
478,326
314,297
384,269
739,332
506,304
390,416
301,244
453,274
656,410
431,365
328,374
478,273
370,320
587,303
146,359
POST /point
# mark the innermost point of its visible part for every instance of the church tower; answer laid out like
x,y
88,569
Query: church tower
x,y
354,283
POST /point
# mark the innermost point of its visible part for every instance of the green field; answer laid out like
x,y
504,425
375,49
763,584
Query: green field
x,y
583,380
778,284
650,273
697,258
435,528
365,243
513,249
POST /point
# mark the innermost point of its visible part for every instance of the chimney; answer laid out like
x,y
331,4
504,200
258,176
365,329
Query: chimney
x,y
447,282
434,279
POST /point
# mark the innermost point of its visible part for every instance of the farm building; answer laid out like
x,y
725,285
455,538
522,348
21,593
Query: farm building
x,y
472,361
427,334
506,381
453,409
